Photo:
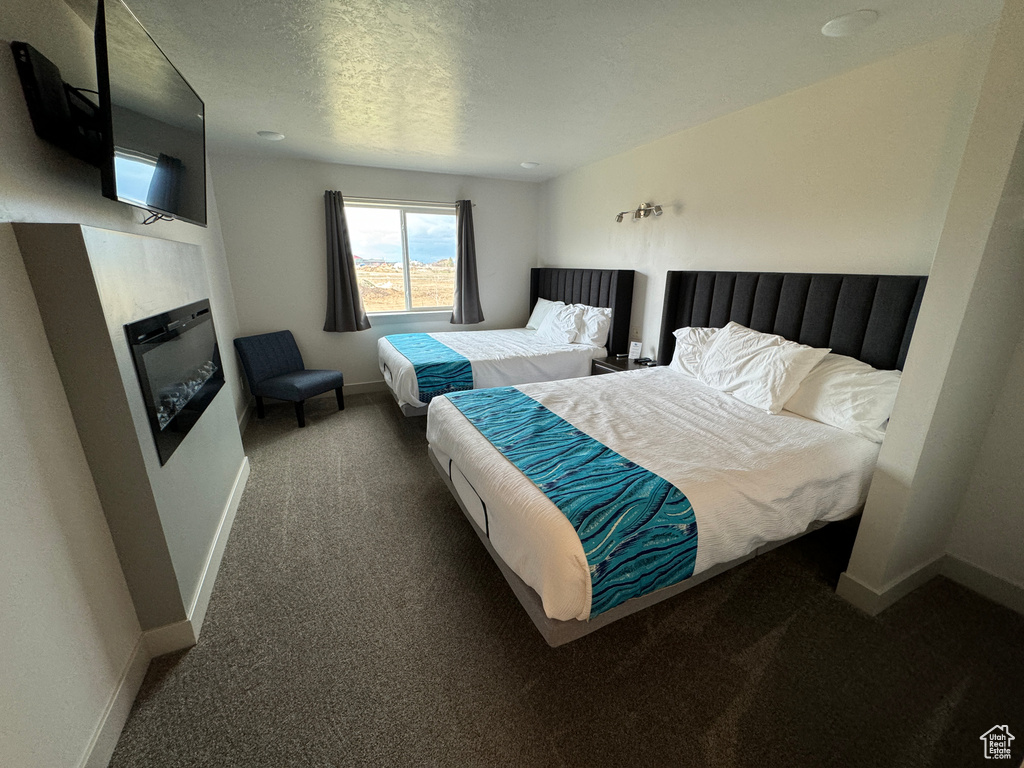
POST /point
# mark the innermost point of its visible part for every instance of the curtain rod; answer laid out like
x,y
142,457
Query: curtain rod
x,y
355,199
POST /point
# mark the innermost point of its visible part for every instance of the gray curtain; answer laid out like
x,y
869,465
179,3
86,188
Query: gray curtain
x,y
344,304
165,188
466,307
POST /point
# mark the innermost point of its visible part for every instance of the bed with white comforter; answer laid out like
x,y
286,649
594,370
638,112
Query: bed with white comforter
x,y
498,358
751,477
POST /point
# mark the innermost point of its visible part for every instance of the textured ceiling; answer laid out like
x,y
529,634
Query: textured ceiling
x,y
478,86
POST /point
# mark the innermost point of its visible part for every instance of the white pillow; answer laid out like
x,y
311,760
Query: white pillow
x,y
690,344
848,394
541,310
760,369
595,324
561,324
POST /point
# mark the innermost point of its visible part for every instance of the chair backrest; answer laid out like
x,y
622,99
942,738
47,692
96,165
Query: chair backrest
x,y
268,355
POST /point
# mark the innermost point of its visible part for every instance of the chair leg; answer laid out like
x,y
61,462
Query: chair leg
x,y
300,413
260,413
341,398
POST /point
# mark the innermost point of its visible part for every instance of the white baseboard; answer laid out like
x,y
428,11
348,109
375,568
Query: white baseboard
x,y
161,640
243,418
965,573
858,594
115,714
349,389
873,601
201,598
984,582
170,638
184,634
366,386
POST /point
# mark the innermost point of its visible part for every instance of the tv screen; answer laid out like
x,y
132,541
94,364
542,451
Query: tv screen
x,y
155,154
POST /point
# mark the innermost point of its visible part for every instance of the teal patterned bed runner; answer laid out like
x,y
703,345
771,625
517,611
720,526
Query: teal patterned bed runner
x,y
638,531
439,368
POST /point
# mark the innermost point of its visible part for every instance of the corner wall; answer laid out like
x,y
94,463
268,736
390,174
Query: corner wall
x,y
969,325
989,527
274,234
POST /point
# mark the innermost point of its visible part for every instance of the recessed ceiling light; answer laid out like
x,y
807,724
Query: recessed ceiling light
x,y
849,23
529,164
270,135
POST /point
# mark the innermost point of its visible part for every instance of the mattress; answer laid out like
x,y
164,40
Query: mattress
x,y
498,358
752,477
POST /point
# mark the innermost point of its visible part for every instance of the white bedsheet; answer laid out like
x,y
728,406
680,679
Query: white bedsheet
x,y
499,359
752,477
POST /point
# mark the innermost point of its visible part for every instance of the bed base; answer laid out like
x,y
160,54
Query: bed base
x,y
557,632
406,408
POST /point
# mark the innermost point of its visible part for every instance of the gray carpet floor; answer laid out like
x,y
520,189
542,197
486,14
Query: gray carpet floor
x,y
357,620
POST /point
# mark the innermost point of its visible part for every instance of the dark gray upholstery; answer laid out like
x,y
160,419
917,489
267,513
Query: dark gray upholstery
x,y
596,287
300,385
268,355
273,368
869,317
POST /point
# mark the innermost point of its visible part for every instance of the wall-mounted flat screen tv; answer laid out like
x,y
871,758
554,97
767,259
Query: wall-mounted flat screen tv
x,y
155,155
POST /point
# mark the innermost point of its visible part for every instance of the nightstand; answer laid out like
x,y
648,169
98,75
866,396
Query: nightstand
x,y
613,365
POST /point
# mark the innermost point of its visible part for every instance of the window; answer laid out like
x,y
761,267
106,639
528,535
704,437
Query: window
x,y
134,173
404,254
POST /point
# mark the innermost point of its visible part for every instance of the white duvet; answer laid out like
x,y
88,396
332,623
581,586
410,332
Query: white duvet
x,y
499,358
752,477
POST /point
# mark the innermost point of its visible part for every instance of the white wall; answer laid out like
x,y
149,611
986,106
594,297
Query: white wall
x,y
852,174
68,628
990,525
274,233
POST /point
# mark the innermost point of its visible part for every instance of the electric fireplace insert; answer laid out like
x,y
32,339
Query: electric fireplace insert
x,y
178,363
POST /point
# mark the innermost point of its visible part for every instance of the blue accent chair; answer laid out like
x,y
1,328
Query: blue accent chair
x,y
274,368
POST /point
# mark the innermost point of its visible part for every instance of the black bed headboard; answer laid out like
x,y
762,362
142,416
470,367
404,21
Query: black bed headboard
x,y
596,287
869,317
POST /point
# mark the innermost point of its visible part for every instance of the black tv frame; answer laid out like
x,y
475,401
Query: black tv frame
x,y
107,176
149,333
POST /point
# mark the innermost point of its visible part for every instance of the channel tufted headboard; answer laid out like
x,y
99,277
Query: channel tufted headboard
x,y
596,287
869,317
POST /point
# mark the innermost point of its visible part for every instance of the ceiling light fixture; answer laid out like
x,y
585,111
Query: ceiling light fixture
x,y
270,135
642,212
849,23
529,164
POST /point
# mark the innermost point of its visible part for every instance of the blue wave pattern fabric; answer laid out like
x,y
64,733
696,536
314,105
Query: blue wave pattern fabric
x,y
439,368
638,531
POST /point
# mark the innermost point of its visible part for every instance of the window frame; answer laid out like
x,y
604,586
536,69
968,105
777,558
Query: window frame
x,y
403,207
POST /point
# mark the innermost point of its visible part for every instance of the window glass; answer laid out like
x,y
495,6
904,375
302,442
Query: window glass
x,y
397,273
376,237
134,173
431,259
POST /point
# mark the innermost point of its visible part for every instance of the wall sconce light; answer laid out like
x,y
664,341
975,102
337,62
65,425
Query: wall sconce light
x,y
642,212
